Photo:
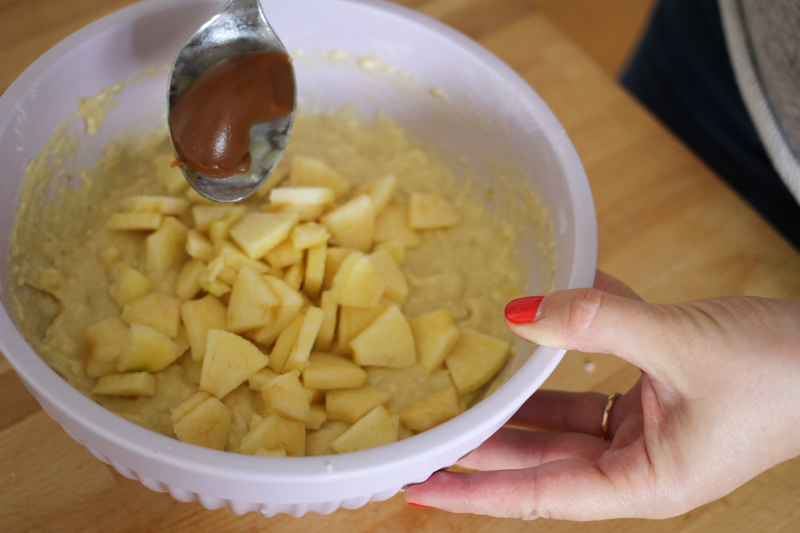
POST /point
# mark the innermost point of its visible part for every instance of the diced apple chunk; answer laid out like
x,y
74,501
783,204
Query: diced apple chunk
x,y
357,282
301,196
316,417
327,371
330,311
429,210
219,229
334,257
257,381
228,362
131,384
206,422
164,205
293,276
253,303
392,225
146,350
103,344
157,310
198,246
309,235
475,359
204,215
387,341
377,428
286,396
353,320
351,405
236,259
309,172
395,247
298,357
319,442
381,191
435,334
273,432
392,275
431,410
315,270
134,221
352,224
285,342
258,233
200,316
291,302
284,255
128,284
166,247
188,283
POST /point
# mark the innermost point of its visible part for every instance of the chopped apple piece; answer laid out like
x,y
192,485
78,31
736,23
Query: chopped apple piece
x,y
353,320
301,196
316,417
253,303
146,350
392,225
309,172
236,259
435,334
286,396
157,310
315,270
188,283
291,302
381,191
334,258
285,342
431,410
134,221
216,287
273,432
166,247
327,371
395,247
351,405
164,205
258,233
204,215
357,282
319,442
294,276
407,385
198,246
103,344
219,229
377,428
429,210
387,341
228,362
131,384
257,381
298,357
392,275
475,359
352,224
204,421
128,284
305,213
309,235
284,255
330,310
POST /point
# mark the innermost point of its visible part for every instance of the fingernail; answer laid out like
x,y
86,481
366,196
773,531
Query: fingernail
x,y
523,310
418,505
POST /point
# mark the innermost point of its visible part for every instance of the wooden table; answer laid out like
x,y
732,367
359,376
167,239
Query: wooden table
x,y
667,225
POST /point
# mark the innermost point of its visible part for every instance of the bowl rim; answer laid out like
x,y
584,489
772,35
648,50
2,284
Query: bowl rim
x,y
166,451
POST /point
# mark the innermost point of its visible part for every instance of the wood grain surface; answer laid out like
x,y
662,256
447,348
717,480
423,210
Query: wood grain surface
x,y
667,225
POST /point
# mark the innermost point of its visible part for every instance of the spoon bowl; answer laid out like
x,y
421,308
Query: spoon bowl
x,y
239,27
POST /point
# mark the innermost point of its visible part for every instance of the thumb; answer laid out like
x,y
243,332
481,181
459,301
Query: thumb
x,y
590,320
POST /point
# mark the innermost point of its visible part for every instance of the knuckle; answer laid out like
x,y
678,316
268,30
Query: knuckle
x,y
582,310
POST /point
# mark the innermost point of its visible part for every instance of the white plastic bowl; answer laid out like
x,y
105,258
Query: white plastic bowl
x,y
441,79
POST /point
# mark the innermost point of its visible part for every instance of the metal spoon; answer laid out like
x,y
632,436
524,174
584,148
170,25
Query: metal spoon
x,y
240,27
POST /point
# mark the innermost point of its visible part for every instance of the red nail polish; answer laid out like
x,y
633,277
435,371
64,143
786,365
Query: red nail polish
x,y
523,310
418,505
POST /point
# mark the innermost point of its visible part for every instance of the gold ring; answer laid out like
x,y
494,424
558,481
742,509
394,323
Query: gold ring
x,y
610,401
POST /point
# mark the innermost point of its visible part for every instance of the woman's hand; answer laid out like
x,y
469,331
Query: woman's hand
x,y
717,404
